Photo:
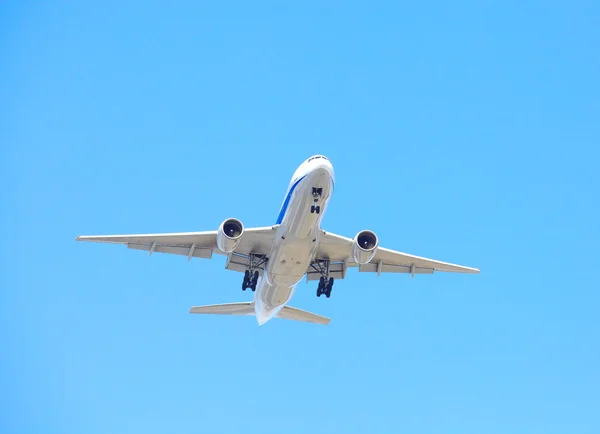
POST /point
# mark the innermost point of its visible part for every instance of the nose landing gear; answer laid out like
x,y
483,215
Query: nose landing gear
x,y
316,193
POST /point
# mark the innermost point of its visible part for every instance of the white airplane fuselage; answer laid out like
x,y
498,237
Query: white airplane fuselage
x,y
297,237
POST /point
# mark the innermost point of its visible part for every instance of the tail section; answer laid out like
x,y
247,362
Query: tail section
x,y
247,308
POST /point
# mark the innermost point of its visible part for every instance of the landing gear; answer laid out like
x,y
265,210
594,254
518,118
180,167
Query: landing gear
x,y
250,280
325,286
316,193
325,282
251,274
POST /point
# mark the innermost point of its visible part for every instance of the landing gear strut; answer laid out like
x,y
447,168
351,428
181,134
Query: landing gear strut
x,y
316,193
251,274
325,282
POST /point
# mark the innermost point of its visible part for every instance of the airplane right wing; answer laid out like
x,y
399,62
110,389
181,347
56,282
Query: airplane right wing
x,y
337,249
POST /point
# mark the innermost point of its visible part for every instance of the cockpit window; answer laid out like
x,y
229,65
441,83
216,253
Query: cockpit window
x,y
317,156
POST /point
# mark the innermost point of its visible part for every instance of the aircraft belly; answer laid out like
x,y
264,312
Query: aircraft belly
x,y
270,298
289,260
293,249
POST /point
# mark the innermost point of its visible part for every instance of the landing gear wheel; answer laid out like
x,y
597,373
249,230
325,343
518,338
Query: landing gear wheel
x,y
321,266
325,286
254,281
246,281
250,280
316,194
329,287
256,262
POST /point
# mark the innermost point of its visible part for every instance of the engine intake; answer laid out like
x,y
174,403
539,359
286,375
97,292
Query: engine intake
x,y
229,235
364,247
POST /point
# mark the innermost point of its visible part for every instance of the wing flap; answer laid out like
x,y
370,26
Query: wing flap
x,y
391,268
174,250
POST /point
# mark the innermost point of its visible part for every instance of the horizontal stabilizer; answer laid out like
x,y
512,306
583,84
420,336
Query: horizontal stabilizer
x,y
244,308
295,314
247,308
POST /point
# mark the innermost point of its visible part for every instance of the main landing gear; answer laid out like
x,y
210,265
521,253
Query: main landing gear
x,y
325,286
325,282
251,274
250,280
316,193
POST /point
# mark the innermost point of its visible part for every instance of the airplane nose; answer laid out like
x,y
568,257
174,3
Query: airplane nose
x,y
326,166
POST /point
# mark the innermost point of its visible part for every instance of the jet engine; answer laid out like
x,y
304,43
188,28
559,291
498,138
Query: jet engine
x,y
364,247
229,235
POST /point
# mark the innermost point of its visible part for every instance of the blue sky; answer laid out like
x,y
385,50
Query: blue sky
x,y
466,132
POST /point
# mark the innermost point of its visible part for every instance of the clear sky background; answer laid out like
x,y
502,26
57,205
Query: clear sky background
x,y
462,131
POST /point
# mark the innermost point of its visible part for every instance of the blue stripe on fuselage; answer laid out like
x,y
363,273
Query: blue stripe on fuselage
x,y
286,202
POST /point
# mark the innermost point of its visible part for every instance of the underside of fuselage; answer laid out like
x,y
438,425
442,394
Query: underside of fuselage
x,y
297,238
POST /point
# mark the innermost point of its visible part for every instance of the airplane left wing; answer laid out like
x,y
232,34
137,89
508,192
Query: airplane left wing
x,y
338,250
190,244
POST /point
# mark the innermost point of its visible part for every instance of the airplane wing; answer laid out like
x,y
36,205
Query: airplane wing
x,y
192,244
337,250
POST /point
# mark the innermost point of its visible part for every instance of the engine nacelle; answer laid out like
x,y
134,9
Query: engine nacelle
x,y
364,247
229,235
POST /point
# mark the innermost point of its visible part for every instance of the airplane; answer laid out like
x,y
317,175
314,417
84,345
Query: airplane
x,y
274,259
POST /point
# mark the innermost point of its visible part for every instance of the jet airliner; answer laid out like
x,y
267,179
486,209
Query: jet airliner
x,y
274,259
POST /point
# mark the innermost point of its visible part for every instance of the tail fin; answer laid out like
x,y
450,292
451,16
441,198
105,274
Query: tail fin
x,y
295,314
244,308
